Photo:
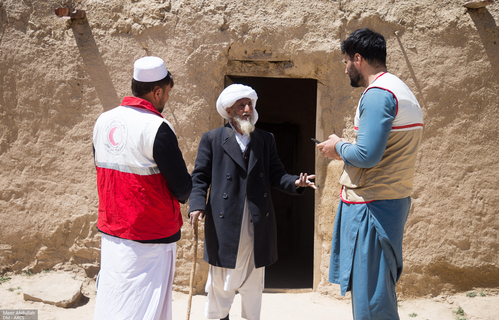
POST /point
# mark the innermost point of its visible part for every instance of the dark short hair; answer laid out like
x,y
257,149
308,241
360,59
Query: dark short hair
x,y
141,88
369,44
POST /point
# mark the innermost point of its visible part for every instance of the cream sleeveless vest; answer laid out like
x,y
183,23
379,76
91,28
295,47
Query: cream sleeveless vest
x,y
392,178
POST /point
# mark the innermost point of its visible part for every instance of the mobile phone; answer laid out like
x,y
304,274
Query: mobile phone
x,y
315,140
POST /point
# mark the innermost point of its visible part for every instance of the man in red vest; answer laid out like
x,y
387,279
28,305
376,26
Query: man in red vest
x,y
141,178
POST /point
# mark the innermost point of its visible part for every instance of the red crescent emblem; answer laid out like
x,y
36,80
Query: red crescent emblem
x,y
111,133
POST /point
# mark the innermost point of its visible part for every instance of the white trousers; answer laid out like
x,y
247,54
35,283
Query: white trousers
x,y
219,300
135,280
223,283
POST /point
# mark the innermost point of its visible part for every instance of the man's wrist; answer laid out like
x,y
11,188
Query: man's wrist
x,y
334,148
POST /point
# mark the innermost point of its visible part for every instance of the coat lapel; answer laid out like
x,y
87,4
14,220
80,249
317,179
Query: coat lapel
x,y
256,149
229,144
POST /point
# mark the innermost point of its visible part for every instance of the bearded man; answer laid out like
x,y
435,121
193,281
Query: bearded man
x,y
377,179
239,164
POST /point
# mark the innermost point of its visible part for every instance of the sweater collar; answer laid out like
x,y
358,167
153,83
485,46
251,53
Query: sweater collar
x,y
140,103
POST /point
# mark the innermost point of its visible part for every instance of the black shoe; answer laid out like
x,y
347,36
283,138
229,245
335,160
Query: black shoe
x,y
226,318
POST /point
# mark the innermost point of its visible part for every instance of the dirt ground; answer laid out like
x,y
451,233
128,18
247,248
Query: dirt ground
x,y
58,75
289,306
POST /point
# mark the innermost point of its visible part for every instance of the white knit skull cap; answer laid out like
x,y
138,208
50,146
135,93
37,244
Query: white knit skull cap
x,y
149,69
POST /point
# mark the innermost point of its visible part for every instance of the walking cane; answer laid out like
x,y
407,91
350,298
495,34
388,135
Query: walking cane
x,y
193,269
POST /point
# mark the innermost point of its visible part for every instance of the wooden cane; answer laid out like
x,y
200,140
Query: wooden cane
x,y
193,269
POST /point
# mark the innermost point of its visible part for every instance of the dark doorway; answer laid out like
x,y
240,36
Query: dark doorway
x,y
287,108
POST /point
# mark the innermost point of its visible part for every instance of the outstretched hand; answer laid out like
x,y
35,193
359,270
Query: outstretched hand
x,y
303,181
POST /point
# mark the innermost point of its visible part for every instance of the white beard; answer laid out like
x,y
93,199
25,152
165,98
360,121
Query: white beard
x,y
245,126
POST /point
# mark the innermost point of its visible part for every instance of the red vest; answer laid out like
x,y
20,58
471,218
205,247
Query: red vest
x,y
134,199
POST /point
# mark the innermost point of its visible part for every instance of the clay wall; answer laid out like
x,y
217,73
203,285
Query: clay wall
x,y
57,76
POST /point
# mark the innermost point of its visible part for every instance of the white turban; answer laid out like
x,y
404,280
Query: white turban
x,y
233,93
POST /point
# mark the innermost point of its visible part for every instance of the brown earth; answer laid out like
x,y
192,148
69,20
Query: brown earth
x,y
484,305
57,76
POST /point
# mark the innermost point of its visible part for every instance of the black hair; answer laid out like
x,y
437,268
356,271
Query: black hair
x,y
369,44
140,88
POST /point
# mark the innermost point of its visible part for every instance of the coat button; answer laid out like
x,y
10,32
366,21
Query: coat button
x,y
228,176
221,215
225,196
261,174
267,214
265,195
251,221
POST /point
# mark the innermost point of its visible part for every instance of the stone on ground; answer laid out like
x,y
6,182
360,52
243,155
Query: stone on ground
x,y
59,289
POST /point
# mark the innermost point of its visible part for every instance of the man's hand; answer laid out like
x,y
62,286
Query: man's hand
x,y
328,147
197,214
304,182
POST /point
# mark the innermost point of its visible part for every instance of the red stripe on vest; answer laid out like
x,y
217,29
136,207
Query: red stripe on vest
x,y
352,202
408,126
393,94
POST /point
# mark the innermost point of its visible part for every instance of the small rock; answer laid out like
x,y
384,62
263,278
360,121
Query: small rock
x,y
91,270
440,298
59,289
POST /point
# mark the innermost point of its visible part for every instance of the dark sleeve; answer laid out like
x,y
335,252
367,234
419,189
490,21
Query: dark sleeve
x,y
201,175
279,179
168,157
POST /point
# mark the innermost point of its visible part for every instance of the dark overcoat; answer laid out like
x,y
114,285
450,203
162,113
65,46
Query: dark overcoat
x,y
220,167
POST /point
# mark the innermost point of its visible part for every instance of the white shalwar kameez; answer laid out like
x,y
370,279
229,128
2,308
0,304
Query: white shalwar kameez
x,y
135,280
223,283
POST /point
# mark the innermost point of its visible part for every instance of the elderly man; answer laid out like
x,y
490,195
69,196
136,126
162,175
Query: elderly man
x,y
366,254
241,164
141,178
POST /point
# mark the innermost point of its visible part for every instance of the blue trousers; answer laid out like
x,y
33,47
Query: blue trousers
x,y
366,255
